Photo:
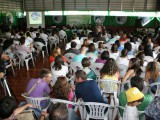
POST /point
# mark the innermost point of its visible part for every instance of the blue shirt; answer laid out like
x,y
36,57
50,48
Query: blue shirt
x,y
89,91
78,58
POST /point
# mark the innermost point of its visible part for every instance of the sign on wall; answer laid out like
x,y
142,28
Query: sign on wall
x,y
121,19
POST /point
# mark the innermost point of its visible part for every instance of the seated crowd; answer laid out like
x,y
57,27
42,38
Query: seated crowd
x,y
129,62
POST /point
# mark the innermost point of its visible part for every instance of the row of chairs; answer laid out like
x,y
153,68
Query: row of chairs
x,y
96,110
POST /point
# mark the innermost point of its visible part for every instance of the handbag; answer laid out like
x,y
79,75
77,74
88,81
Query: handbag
x,y
27,115
33,87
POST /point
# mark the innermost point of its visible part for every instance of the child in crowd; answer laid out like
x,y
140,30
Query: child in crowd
x,y
134,98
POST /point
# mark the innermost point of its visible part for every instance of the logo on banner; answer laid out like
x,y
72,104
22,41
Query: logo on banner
x,y
99,20
121,19
57,19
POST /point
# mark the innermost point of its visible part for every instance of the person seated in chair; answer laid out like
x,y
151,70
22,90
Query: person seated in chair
x,y
73,49
9,110
139,83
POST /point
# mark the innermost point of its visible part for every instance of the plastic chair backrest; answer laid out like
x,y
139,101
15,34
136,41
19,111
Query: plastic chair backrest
x,y
69,56
76,66
22,54
123,69
36,101
148,58
92,57
96,67
109,85
97,110
125,85
157,92
38,45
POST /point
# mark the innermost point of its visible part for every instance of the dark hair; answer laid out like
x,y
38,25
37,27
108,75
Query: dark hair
x,y
141,48
28,34
61,89
22,40
109,68
138,82
114,48
86,62
58,62
37,34
59,112
73,44
132,39
44,72
135,66
100,45
118,43
81,74
105,55
128,46
140,57
148,51
94,40
152,69
74,36
124,53
91,47
7,107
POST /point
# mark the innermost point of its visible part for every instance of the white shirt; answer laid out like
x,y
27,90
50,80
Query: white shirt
x,y
122,61
28,41
8,35
62,72
33,35
44,37
131,113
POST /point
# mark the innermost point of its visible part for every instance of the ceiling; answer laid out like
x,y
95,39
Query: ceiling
x,y
91,5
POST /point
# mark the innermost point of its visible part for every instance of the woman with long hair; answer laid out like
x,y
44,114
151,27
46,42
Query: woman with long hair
x,y
133,69
123,59
56,51
152,73
59,68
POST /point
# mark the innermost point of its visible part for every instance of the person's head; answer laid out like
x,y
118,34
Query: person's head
x,y
74,36
138,82
56,51
140,48
140,57
124,36
61,88
135,65
7,107
28,34
46,75
86,62
95,40
37,35
22,40
134,96
118,43
73,44
91,47
132,39
128,46
153,70
105,55
86,42
59,112
124,53
110,68
58,62
114,48
80,76
100,45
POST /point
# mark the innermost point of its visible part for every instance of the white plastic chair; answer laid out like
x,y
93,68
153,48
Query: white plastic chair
x,y
11,65
69,56
54,101
156,49
109,89
92,57
38,46
96,67
76,66
131,56
148,59
157,93
128,83
96,110
36,102
123,69
53,40
24,56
